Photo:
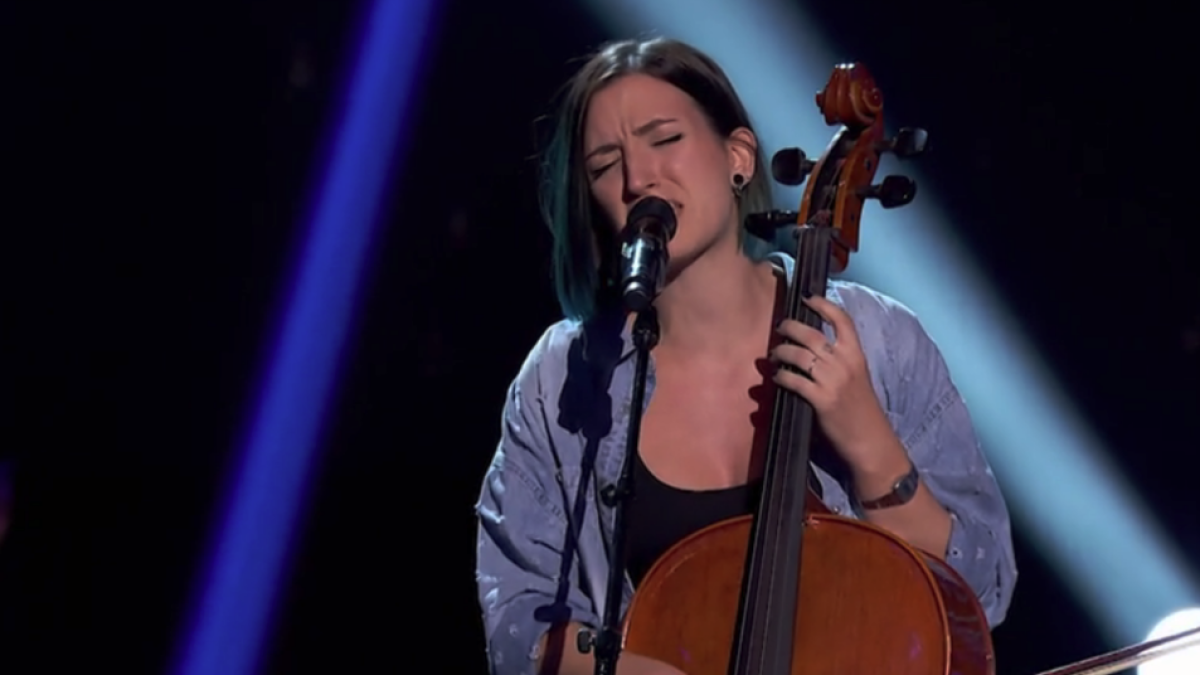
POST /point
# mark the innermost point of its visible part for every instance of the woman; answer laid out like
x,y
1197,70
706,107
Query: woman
x,y
657,118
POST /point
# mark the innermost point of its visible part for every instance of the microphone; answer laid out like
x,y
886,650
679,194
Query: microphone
x,y
650,225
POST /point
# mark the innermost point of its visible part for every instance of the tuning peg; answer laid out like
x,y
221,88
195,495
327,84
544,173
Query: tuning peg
x,y
892,192
791,166
908,143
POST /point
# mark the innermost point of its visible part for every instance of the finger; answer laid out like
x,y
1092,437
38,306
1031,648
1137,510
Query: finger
x,y
843,325
806,336
797,383
819,368
796,356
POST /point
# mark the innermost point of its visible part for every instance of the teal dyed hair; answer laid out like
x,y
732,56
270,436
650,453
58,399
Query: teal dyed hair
x,y
585,253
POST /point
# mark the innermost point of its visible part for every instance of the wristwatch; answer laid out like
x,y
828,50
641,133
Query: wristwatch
x,y
902,492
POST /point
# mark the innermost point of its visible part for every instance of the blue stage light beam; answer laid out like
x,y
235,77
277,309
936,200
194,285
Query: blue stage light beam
x,y
235,598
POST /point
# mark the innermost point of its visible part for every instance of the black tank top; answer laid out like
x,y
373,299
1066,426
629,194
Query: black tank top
x,y
659,515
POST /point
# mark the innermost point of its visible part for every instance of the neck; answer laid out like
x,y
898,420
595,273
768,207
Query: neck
x,y
718,302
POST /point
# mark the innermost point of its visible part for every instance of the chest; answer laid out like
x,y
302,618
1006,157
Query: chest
x,y
708,430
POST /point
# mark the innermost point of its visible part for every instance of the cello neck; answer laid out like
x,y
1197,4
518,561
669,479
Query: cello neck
x,y
824,233
763,644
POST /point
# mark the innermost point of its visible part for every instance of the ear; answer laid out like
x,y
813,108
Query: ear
x,y
743,150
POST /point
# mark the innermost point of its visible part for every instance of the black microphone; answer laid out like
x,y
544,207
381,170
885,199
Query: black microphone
x,y
650,225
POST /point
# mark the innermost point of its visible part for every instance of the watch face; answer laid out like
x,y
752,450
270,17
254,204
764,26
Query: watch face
x,y
904,490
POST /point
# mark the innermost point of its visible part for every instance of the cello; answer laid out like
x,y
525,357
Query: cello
x,y
794,588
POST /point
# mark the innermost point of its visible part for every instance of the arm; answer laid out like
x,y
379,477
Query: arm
x,y
522,526
923,521
918,416
958,508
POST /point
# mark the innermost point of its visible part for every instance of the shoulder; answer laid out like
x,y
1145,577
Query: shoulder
x,y
909,370
868,306
563,384
874,309
911,373
874,312
545,365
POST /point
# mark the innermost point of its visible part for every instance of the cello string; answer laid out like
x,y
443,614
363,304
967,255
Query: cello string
x,y
766,556
813,251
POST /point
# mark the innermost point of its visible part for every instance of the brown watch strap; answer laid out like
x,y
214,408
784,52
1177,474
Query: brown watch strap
x,y
902,492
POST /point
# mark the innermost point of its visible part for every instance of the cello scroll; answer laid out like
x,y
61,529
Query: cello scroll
x,y
841,181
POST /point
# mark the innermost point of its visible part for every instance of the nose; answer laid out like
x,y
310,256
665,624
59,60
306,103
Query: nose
x,y
640,177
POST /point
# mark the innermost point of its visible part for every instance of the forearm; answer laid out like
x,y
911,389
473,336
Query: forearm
x,y
923,522
957,513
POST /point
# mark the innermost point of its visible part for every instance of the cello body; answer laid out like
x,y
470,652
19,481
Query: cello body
x,y
872,604
794,589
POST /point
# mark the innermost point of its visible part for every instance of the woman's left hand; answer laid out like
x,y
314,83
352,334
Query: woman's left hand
x,y
836,382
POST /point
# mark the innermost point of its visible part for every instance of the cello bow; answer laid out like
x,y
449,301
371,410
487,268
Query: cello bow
x,y
1133,655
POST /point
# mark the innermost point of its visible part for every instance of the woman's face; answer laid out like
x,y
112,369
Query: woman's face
x,y
645,137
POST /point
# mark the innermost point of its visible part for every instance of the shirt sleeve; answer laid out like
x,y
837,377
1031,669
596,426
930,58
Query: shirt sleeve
x,y
521,538
935,427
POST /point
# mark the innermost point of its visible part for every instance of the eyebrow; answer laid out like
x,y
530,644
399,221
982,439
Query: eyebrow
x,y
640,131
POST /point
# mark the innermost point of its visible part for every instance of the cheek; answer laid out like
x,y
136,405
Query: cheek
x,y
710,191
606,193
705,174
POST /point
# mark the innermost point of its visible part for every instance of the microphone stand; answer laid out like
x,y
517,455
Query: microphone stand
x,y
608,642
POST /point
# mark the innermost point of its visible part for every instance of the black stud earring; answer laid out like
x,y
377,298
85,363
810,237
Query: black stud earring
x,y
739,183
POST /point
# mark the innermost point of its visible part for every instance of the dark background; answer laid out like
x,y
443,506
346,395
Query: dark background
x,y
163,156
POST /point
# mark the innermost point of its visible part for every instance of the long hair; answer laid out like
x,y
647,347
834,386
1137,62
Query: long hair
x,y
585,253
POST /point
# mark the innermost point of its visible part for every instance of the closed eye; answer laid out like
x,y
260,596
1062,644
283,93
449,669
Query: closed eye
x,y
595,173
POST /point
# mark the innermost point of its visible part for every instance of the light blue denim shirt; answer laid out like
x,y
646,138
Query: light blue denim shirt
x,y
544,533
